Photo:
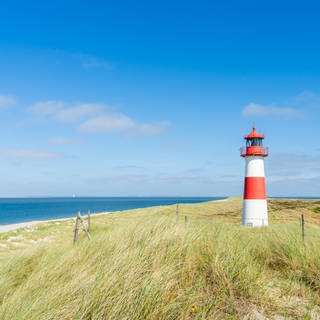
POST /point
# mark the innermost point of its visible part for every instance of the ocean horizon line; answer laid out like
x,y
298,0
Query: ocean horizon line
x,y
15,210
159,197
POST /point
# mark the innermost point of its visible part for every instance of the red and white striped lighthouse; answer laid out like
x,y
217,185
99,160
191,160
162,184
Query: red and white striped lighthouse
x,y
255,211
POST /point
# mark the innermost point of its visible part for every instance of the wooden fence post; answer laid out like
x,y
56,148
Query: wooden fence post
x,y
76,228
89,221
85,228
302,228
177,214
186,222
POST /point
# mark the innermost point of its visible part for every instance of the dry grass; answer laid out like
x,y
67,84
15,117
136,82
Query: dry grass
x,y
141,265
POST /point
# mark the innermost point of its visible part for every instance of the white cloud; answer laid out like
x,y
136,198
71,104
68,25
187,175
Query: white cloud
x,y
47,108
108,123
288,163
91,62
150,129
94,118
58,111
78,112
292,174
32,154
259,110
294,186
120,123
6,101
307,99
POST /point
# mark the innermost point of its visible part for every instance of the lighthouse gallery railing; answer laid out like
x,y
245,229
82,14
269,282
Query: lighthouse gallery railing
x,y
254,151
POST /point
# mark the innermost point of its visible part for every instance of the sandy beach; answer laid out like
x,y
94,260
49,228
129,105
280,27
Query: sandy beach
x,y
28,224
15,226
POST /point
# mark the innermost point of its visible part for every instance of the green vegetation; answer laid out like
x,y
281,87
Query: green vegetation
x,y
141,265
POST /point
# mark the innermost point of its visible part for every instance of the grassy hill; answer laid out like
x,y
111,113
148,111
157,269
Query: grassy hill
x,y
141,265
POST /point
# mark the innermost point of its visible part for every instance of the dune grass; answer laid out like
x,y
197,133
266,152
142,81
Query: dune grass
x,y
141,265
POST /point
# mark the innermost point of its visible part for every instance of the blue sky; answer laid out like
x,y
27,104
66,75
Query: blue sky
x,y
142,98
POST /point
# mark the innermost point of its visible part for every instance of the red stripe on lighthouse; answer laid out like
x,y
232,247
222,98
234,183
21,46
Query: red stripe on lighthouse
x,y
254,188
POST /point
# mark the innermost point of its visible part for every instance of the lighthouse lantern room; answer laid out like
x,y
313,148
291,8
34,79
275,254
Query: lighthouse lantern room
x,y
255,211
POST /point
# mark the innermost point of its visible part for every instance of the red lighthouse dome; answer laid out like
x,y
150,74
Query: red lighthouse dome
x,y
254,145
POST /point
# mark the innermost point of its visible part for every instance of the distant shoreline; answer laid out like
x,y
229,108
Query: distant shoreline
x,y
27,224
295,198
17,210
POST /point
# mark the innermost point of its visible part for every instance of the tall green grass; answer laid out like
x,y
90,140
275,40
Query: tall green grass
x,y
149,268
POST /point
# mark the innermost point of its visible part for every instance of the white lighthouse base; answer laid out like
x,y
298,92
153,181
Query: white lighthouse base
x,y
255,213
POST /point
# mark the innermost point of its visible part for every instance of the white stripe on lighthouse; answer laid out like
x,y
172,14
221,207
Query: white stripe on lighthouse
x,y
255,210
254,166
255,213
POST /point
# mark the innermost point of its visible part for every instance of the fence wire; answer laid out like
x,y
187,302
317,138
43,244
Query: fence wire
x,y
302,223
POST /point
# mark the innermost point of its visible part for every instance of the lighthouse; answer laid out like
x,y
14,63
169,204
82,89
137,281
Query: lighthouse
x,y
255,211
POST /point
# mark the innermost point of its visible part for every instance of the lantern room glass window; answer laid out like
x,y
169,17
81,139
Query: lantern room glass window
x,y
254,142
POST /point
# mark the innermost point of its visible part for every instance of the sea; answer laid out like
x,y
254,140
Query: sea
x,y
16,210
